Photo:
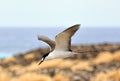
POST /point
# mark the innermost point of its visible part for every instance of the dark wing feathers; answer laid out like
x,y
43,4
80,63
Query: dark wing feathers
x,y
50,42
63,39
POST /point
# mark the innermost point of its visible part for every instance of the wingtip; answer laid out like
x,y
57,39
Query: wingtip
x,y
41,37
77,25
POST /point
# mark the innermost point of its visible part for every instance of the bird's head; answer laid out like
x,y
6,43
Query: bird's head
x,y
43,58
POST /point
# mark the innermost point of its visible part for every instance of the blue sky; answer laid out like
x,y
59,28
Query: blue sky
x,y
52,13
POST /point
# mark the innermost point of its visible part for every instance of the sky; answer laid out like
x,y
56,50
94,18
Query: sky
x,y
52,13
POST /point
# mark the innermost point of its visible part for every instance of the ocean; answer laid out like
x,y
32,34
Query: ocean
x,y
20,40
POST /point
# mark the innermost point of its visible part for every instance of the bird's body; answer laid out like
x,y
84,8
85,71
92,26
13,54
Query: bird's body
x,y
61,47
59,54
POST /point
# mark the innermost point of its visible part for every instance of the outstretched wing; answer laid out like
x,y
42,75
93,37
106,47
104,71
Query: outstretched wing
x,y
63,39
50,42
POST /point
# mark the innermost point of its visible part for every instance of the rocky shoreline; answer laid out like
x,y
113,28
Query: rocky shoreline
x,y
100,62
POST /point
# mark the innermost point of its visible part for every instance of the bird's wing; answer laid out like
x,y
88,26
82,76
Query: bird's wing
x,y
63,39
47,40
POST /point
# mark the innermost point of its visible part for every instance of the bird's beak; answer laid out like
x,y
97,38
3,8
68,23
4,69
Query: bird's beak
x,y
43,58
40,62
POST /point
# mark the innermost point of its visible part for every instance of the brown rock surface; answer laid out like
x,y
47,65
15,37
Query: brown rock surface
x,y
99,63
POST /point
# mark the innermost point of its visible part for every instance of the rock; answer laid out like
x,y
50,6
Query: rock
x,y
34,77
98,63
82,66
116,56
103,57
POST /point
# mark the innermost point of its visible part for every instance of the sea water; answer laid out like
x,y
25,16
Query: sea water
x,y
20,40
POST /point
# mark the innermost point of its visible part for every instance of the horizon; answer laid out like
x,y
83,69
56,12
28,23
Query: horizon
x,y
19,40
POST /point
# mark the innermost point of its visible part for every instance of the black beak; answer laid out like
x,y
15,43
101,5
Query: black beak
x,y
40,62
43,58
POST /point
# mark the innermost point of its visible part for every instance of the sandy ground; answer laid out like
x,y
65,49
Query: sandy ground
x,y
99,63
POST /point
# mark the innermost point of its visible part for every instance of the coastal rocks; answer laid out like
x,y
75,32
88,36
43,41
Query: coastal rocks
x,y
31,77
116,55
82,65
113,75
103,57
98,63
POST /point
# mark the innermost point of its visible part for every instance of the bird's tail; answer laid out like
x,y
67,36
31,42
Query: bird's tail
x,y
87,51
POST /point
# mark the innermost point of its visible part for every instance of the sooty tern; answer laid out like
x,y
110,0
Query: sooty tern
x,y
60,48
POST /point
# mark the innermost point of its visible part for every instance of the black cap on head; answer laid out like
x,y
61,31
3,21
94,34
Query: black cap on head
x,y
43,58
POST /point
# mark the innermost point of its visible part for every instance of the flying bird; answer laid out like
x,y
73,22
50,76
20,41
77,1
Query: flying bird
x,y
61,47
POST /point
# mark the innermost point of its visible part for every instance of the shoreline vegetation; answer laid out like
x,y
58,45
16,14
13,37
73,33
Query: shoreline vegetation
x,y
100,62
